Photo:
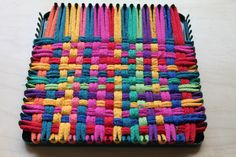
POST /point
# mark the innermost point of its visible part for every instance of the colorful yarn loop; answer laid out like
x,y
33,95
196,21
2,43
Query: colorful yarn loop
x,y
107,74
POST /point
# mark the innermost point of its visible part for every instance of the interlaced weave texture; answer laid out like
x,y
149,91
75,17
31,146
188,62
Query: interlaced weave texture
x,y
113,75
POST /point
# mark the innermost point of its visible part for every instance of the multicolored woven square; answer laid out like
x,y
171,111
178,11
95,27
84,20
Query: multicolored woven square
x,y
113,75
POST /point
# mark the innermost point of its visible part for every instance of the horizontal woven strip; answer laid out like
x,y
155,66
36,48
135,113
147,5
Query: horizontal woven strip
x,y
108,74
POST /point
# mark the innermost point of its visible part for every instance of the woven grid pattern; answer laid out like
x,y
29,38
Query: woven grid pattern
x,y
111,74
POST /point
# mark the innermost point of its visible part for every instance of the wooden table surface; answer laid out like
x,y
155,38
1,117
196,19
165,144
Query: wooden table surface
x,y
214,29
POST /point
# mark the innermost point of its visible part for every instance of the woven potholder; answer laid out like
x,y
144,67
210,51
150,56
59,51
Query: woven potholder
x,y
113,75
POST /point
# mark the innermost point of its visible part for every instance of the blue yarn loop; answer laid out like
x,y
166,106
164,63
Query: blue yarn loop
x,y
180,138
89,32
46,131
80,132
181,119
168,26
25,116
124,20
47,118
43,41
60,26
46,41
126,138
